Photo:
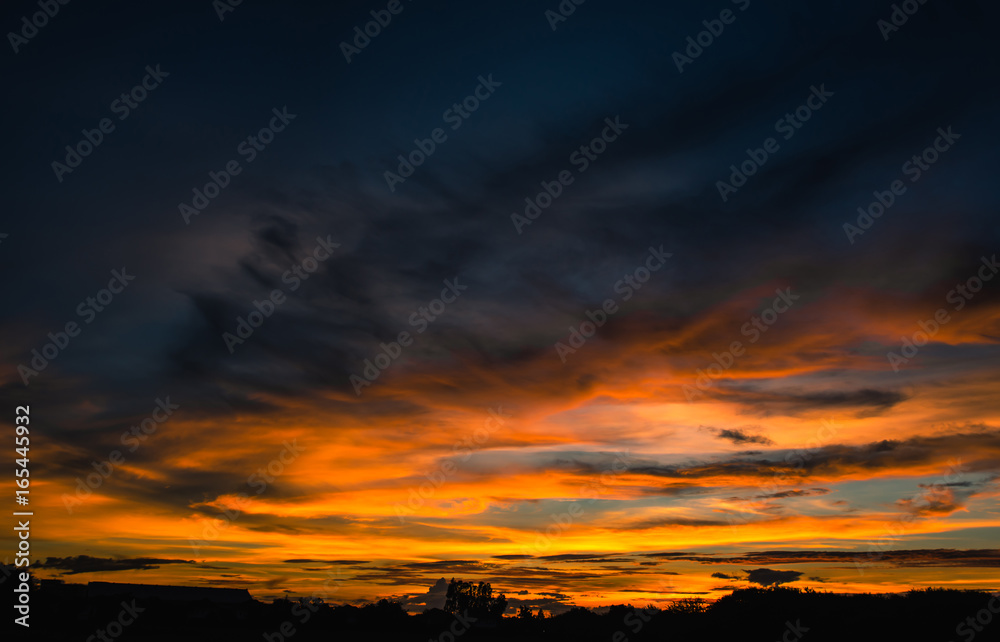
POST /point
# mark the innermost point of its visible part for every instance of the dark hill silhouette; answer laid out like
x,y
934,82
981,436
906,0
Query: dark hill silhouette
x,y
173,593
72,612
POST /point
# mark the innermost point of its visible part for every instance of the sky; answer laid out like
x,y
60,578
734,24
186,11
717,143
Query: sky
x,y
618,302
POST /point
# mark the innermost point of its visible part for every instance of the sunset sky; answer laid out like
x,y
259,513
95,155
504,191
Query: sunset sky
x,y
736,417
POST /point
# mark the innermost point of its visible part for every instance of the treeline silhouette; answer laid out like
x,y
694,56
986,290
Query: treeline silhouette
x,y
752,615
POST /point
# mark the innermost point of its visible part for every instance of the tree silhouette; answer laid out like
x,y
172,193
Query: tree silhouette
x,y
688,605
524,613
476,600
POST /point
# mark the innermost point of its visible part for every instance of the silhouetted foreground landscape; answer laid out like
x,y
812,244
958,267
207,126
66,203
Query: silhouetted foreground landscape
x,y
103,611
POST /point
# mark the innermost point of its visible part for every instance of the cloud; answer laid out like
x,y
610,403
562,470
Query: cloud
x,y
979,451
936,499
274,582
723,576
576,557
660,522
434,598
769,577
940,557
552,605
311,561
87,564
808,492
792,402
741,437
